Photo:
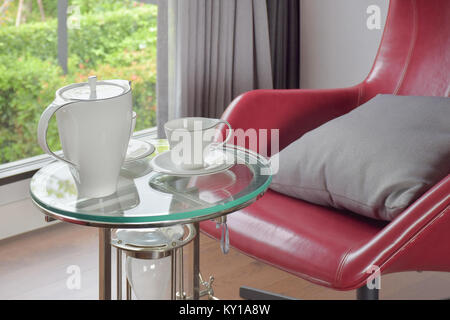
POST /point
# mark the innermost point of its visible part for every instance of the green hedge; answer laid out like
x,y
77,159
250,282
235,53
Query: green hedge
x,y
24,92
120,44
97,37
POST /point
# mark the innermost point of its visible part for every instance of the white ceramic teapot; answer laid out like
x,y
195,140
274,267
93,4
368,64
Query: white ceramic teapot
x,y
94,122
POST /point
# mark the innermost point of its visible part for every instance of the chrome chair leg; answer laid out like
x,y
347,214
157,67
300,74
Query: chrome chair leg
x,y
249,293
364,293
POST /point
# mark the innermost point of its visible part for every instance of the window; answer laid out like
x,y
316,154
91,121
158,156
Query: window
x,y
106,38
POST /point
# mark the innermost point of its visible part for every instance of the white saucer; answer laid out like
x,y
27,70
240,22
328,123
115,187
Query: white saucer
x,y
138,149
217,161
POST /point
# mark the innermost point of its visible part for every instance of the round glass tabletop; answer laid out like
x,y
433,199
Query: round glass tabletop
x,y
146,198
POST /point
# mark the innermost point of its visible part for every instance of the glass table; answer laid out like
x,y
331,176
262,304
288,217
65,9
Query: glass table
x,y
148,199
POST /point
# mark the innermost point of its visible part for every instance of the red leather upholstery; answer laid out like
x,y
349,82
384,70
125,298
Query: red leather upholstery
x,y
329,247
413,57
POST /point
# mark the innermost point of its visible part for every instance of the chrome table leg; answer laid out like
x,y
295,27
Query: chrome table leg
x,y
119,274
196,251
128,290
173,290
181,274
104,264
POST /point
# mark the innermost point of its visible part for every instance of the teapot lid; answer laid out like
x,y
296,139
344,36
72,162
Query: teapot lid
x,y
94,90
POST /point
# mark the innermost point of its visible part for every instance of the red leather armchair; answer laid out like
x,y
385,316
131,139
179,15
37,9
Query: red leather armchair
x,y
333,248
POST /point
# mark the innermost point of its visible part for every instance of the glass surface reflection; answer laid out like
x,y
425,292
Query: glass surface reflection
x,y
146,196
60,189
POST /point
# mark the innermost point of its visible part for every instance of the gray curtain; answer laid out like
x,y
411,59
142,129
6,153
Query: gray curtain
x,y
209,52
284,31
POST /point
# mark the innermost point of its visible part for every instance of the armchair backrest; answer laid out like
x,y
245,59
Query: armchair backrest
x,y
414,54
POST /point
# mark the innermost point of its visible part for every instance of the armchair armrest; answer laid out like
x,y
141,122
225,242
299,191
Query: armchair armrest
x,y
293,112
416,240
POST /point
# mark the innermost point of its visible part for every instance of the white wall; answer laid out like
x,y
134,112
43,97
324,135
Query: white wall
x,y
337,48
17,212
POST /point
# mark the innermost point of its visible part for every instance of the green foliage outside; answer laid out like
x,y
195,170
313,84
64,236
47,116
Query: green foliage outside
x,y
116,39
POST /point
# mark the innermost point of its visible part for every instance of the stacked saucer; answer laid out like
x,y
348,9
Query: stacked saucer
x,y
217,160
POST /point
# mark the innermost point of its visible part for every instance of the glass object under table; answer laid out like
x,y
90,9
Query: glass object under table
x,y
148,199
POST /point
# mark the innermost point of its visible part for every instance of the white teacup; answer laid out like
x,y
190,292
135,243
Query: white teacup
x,y
191,139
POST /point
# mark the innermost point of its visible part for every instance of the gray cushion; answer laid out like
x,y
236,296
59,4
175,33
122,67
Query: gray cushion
x,y
375,160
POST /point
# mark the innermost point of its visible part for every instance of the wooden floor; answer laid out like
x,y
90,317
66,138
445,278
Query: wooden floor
x,y
34,266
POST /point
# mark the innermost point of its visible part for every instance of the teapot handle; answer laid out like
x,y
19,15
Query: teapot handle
x,y
43,128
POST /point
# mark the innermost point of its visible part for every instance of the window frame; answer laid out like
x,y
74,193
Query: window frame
x,y
25,168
